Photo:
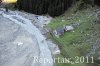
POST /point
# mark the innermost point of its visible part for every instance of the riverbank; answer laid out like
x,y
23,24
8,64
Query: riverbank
x,y
26,20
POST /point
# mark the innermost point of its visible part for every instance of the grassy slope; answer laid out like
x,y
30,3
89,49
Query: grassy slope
x,y
76,43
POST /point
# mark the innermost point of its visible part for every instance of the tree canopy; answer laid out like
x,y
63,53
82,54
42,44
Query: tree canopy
x,y
52,7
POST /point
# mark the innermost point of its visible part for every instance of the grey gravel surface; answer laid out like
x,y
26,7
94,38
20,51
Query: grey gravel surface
x,y
17,46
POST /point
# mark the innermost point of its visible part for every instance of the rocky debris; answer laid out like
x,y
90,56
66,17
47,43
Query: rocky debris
x,y
1,12
53,47
25,15
20,20
45,52
75,24
17,46
97,12
43,20
94,48
38,20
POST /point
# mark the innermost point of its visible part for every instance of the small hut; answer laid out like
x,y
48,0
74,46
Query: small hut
x,y
58,32
69,28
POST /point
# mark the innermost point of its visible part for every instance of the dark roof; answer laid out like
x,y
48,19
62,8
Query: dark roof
x,y
60,30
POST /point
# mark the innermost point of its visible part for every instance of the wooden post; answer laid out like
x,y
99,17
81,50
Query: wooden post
x,y
6,8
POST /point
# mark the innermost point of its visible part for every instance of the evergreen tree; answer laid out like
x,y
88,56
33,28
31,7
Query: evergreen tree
x,y
52,7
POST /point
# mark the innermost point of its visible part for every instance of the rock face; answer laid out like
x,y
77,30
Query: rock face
x,y
17,46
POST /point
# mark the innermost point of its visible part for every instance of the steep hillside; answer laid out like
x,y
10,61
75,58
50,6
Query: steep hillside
x,y
83,41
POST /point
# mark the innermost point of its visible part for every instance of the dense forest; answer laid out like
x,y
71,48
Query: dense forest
x,y
52,7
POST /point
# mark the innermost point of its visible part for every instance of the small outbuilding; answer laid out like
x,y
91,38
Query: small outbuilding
x,y
58,32
68,28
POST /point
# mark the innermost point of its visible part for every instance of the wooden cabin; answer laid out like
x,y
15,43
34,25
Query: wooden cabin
x,y
58,32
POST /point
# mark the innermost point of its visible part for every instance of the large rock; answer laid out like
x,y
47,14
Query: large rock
x,y
17,46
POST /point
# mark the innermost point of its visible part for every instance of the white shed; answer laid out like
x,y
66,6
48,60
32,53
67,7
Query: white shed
x,y
69,28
